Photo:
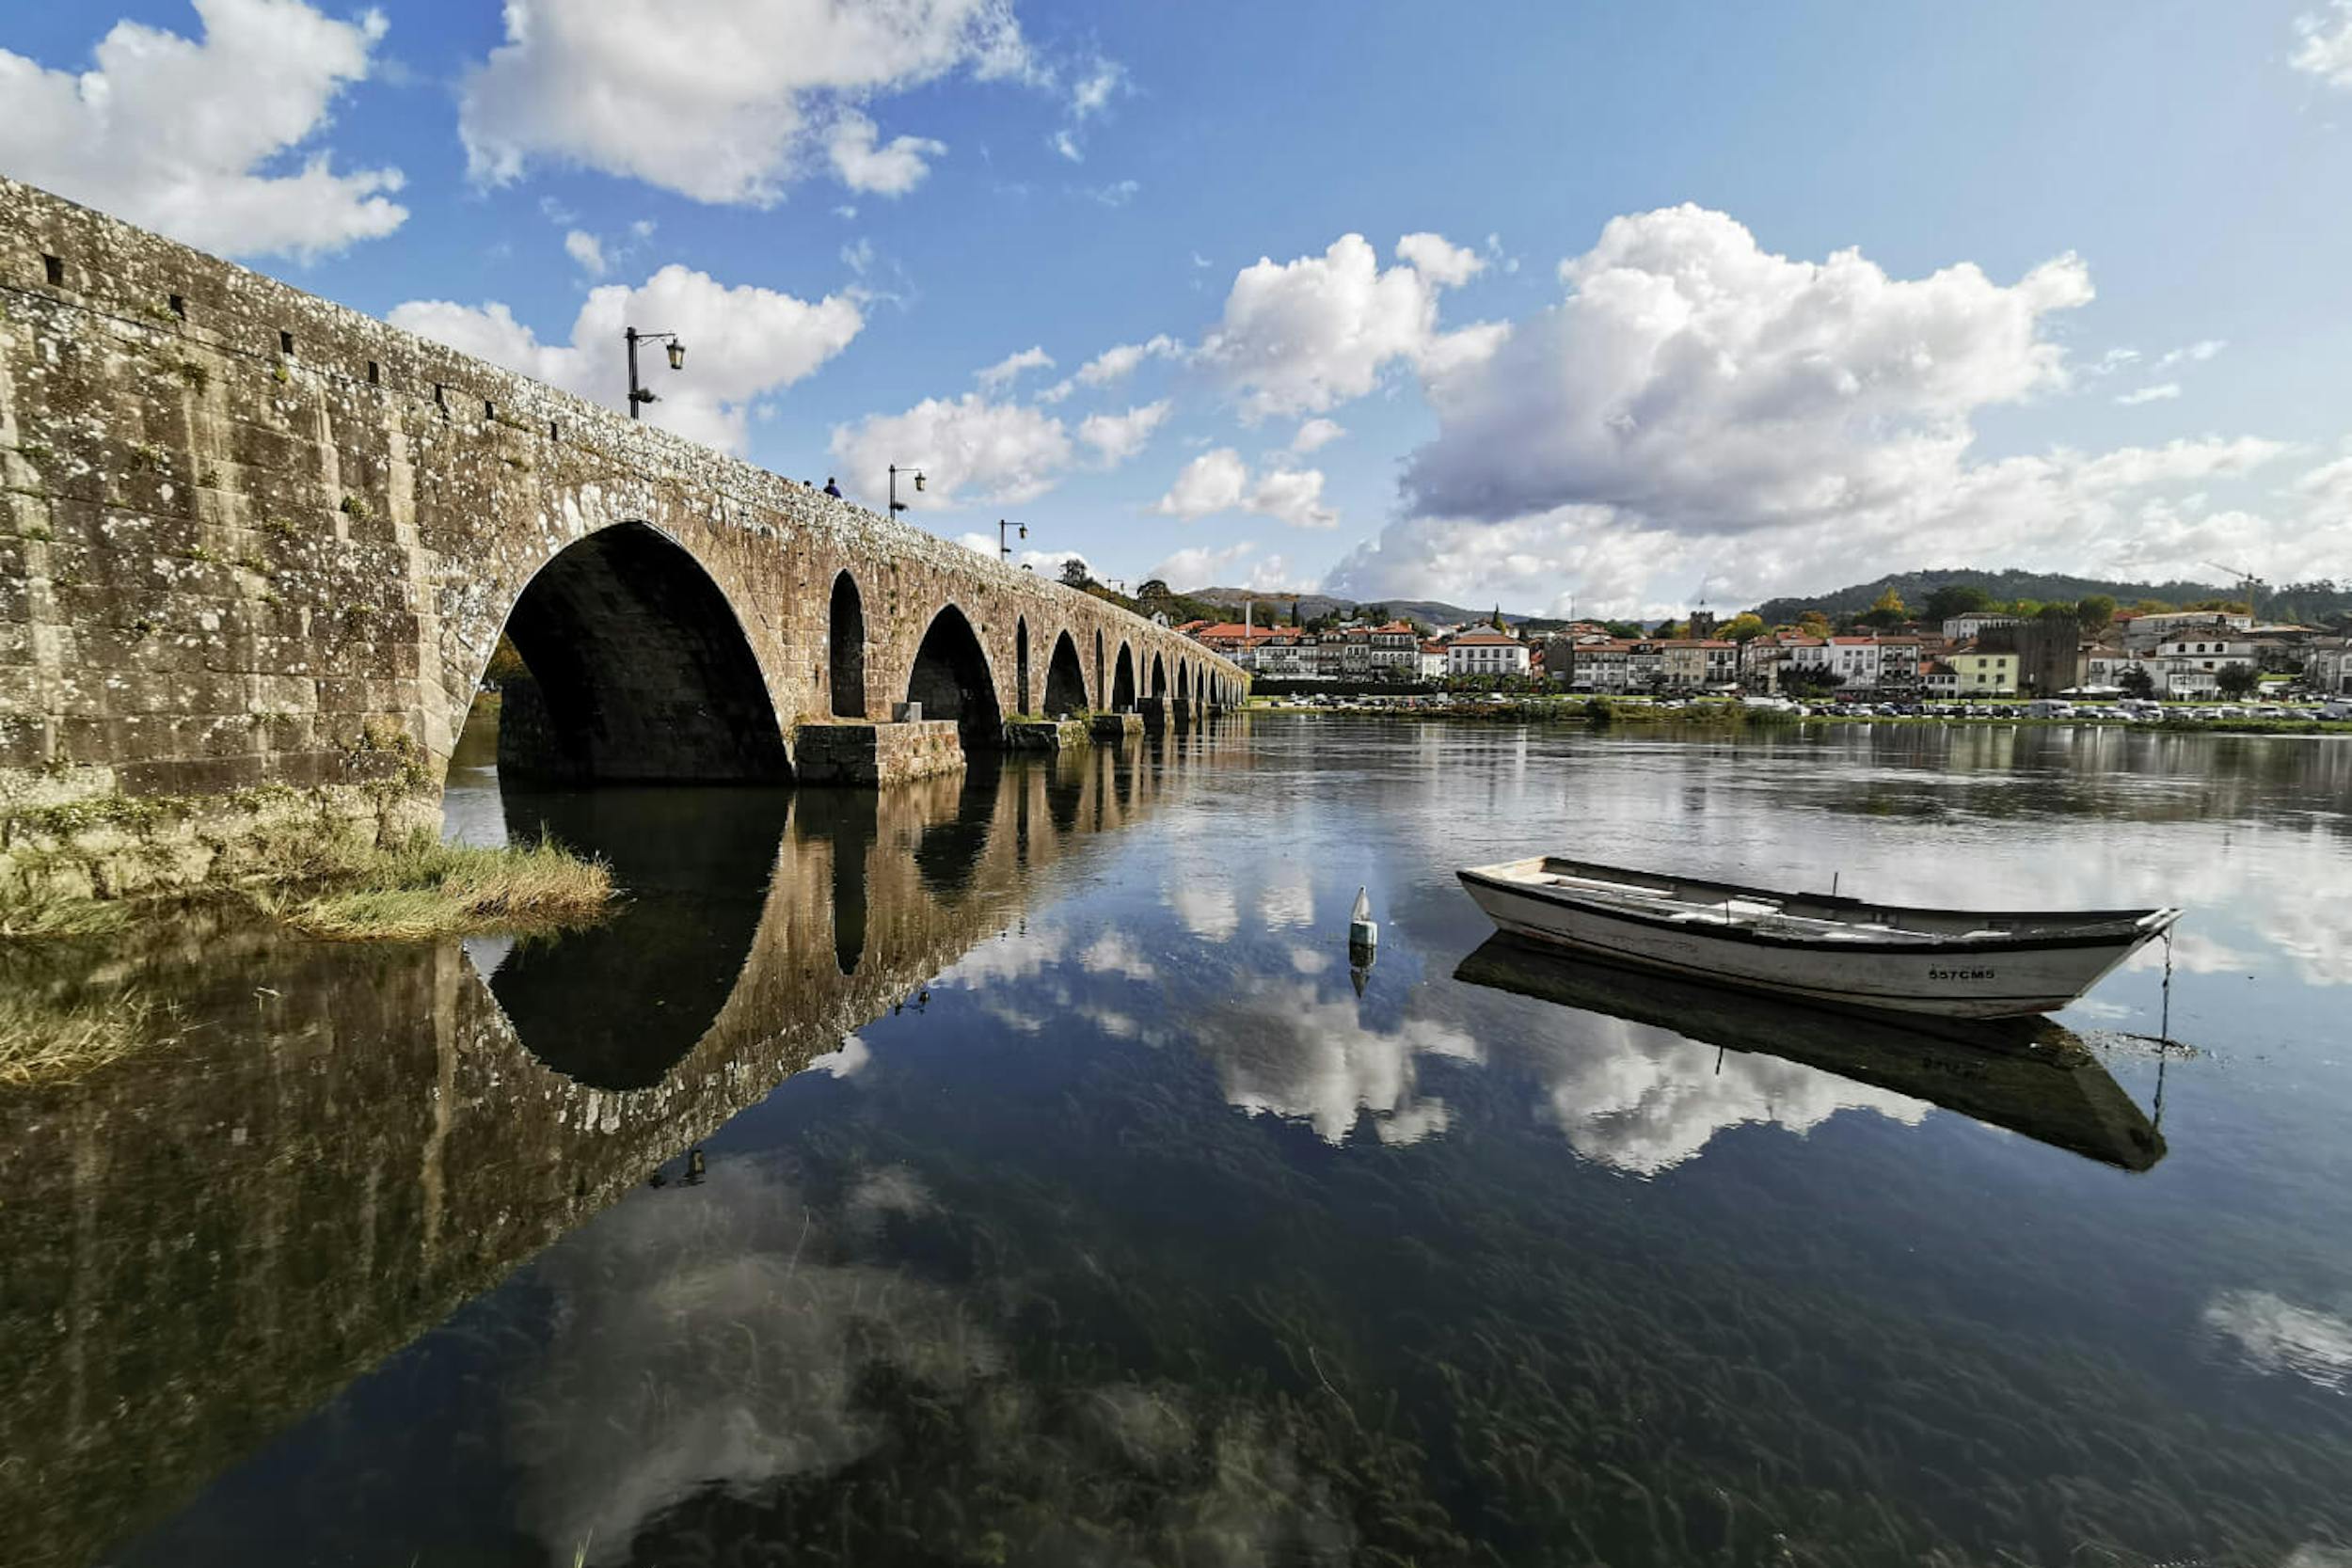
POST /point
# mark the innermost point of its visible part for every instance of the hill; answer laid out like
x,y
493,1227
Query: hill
x,y
1427,611
2309,602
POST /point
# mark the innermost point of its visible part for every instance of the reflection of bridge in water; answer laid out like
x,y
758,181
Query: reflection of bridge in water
x,y
349,1141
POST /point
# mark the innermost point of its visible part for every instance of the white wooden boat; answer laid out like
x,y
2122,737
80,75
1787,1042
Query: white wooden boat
x,y
1956,963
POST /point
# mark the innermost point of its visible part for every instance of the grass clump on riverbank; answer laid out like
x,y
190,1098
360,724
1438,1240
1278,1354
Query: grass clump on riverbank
x,y
24,915
423,888
42,1044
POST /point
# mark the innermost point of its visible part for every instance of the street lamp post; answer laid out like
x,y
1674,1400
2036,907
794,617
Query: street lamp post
x,y
896,469
639,396
1003,549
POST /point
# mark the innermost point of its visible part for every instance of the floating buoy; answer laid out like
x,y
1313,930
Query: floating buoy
x,y
1362,930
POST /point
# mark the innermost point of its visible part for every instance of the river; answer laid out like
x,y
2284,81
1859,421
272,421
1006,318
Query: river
x,y
1014,1169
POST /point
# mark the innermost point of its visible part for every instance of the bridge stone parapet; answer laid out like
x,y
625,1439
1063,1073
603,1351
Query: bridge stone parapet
x,y
253,540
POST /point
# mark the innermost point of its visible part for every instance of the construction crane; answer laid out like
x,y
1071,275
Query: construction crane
x,y
2248,581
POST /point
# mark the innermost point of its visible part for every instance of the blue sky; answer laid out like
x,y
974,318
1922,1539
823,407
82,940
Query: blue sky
x,y
1847,288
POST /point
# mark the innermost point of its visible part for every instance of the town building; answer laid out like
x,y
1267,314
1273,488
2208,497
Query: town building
x,y
1487,653
1696,663
2330,666
1964,628
1984,672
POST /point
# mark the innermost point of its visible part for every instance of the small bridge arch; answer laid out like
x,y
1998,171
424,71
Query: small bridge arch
x,y
845,647
1124,681
1065,680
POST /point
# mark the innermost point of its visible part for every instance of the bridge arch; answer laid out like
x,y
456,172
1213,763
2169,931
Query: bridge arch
x,y
1159,675
950,677
1184,680
1101,688
1124,681
1065,680
1021,665
640,669
845,648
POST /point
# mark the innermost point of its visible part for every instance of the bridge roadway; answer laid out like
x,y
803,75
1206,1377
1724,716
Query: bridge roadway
x,y
250,538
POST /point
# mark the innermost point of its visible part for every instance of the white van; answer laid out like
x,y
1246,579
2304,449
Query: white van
x,y
2338,707
2049,708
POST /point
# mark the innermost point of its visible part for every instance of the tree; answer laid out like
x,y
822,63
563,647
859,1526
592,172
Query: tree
x,y
1624,631
1809,680
2096,611
2137,682
1742,627
1497,622
1153,587
2238,681
1813,624
1074,573
1956,598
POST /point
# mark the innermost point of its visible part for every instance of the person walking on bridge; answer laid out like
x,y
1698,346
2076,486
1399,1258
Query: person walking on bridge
x,y
831,488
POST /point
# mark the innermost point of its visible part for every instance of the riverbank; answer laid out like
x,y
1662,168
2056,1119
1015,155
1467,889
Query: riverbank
x,y
1601,713
410,890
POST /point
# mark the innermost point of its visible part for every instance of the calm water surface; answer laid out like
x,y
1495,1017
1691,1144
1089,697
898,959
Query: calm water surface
x,y
1014,1170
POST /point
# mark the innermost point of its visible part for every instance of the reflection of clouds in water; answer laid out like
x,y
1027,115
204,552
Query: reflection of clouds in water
x,y
1014,955
1112,953
2195,954
1645,1100
1307,962
846,1061
1206,908
703,1341
1287,1053
2278,1336
2314,929
1287,902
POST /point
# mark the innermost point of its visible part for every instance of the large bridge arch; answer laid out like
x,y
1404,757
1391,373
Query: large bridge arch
x,y
1065,680
951,678
640,670
1124,681
1159,675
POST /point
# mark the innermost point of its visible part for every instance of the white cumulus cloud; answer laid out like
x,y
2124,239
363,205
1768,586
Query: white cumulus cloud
x,y
1315,435
864,162
587,251
723,101
1003,373
743,342
2325,49
176,135
1120,436
1696,378
1300,337
970,448
1218,481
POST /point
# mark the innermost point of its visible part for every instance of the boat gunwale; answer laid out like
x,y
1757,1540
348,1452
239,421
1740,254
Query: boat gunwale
x,y
2144,923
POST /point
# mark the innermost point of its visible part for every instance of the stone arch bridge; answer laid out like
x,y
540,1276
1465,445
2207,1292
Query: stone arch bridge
x,y
251,539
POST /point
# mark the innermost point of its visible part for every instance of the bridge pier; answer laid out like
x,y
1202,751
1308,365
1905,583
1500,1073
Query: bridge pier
x,y
1115,726
1153,712
1045,735
856,753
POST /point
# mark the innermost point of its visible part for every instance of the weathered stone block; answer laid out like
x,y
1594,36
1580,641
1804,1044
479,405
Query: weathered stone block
x,y
1115,726
850,753
1045,735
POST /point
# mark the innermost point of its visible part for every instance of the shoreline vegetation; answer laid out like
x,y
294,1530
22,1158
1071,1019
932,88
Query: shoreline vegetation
x,y
410,890
414,890
1604,713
